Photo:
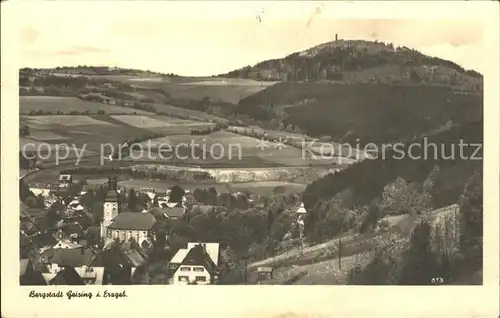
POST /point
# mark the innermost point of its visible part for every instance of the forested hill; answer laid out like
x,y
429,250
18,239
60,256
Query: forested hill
x,y
364,113
358,61
436,180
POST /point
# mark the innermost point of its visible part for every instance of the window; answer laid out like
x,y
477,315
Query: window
x,y
109,233
185,269
199,269
183,278
201,279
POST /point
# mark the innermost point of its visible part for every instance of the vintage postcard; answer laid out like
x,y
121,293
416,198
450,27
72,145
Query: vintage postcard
x,y
165,149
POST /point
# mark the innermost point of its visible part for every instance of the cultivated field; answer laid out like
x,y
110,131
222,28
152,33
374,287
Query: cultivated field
x,y
54,104
217,89
161,124
224,146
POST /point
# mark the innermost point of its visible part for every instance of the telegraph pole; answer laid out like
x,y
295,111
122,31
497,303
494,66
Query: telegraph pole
x,y
246,280
340,247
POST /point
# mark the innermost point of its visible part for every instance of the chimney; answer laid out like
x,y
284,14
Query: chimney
x,y
336,37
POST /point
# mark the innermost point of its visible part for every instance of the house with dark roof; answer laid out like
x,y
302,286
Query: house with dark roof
x,y
127,225
65,180
76,259
28,276
173,212
67,276
43,240
24,244
73,231
197,267
119,262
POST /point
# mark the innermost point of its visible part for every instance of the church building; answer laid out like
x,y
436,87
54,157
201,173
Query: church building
x,y
124,225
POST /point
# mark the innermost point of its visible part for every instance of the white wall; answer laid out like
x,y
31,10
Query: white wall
x,y
125,235
185,274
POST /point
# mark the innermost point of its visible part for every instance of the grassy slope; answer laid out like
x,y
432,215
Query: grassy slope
x,y
319,263
68,104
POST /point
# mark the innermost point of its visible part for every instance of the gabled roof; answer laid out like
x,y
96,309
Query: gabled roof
x,y
24,240
28,275
43,240
118,256
301,209
67,276
73,228
133,221
66,244
134,257
175,212
211,248
111,195
179,256
198,257
65,177
24,266
73,257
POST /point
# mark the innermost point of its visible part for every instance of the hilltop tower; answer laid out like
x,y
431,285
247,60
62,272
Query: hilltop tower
x,y
110,207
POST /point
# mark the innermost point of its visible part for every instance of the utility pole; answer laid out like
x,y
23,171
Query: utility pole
x,y
246,280
340,247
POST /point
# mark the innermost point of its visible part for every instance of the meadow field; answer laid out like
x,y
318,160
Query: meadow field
x,y
226,146
66,105
162,124
217,89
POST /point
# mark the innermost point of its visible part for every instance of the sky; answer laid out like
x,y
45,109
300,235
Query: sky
x,y
199,39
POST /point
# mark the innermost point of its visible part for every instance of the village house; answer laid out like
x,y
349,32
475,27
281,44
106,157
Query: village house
x,y
119,262
66,276
301,210
65,180
78,259
28,275
196,264
167,212
66,244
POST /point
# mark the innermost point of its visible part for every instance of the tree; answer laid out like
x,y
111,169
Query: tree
x,y
40,202
471,221
24,191
419,264
132,200
97,212
176,194
414,77
31,201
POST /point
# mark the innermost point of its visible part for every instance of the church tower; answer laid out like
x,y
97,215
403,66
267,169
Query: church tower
x,y
111,206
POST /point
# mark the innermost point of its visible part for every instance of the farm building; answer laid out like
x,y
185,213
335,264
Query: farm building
x,y
264,273
65,180
301,210
197,264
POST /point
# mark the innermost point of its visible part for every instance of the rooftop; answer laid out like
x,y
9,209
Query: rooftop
x,y
133,221
179,256
211,248
73,257
198,256
67,276
173,212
